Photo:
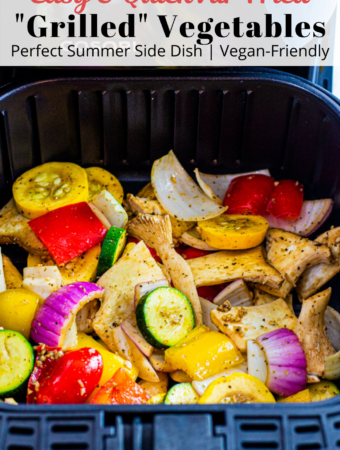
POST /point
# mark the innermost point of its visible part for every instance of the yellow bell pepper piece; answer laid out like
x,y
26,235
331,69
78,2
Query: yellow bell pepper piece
x,y
233,232
300,397
18,307
203,353
111,361
80,268
236,388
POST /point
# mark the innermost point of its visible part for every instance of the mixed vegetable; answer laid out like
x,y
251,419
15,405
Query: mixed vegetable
x,y
181,294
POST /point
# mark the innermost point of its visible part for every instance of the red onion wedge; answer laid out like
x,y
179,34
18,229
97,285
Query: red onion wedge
x,y
287,364
236,293
313,215
55,319
146,287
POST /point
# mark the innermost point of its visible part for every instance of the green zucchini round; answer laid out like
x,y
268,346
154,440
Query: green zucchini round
x,y
16,362
181,394
112,248
164,317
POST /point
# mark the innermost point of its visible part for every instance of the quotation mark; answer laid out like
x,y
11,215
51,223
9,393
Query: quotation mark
x,y
142,16
19,18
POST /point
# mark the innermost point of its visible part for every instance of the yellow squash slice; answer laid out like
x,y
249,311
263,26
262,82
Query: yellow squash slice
x,y
234,232
236,388
48,187
100,180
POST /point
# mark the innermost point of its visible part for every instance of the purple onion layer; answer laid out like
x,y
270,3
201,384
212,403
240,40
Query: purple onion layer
x,y
287,364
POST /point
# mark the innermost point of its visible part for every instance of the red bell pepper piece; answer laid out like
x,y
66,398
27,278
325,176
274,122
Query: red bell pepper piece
x,y
69,231
210,292
151,250
120,390
286,200
64,378
249,194
192,253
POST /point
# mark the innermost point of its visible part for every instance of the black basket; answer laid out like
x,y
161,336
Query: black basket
x,y
243,121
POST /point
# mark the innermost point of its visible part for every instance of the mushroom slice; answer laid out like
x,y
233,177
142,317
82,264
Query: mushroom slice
x,y
193,239
145,206
332,322
315,277
155,231
311,331
14,229
263,298
291,255
230,265
242,323
147,192
13,278
119,282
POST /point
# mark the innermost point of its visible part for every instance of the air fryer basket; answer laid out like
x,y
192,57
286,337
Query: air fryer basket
x,y
244,121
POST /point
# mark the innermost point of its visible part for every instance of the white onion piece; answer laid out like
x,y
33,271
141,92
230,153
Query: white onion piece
x,y
100,215
206,308
332,367
257,365
219,184
146,287
43,280
158,362
112,210
313,215
179,194
85,316
193,239
312,379
2,275
332,322
207,189
201,386
236,293
127,349
130,328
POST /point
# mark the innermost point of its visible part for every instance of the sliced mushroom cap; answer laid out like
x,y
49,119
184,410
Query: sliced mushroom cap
x,y
291,255
311,331
315,277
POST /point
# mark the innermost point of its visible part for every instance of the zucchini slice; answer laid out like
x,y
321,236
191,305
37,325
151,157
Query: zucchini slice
x,y
164,317
112,248
181,394
16,362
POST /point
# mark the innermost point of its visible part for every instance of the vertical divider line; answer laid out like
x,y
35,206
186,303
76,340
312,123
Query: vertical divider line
x,y
290,135
249,95
32,115
225,97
